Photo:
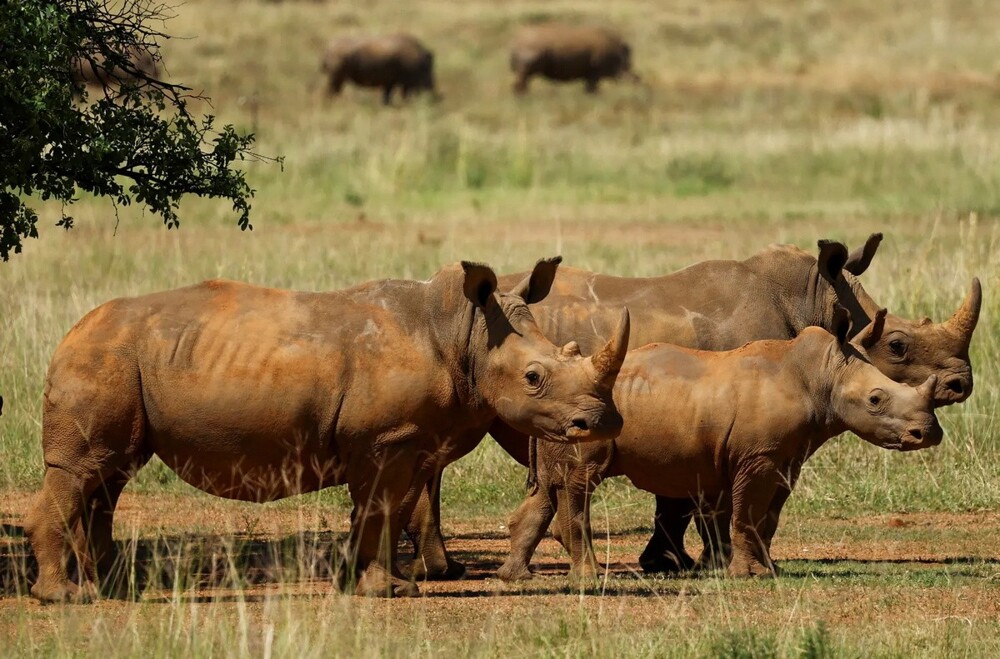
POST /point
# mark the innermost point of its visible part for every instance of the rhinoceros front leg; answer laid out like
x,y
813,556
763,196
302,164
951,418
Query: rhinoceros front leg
x,y
786,484
53,527
378,485
713,523
574,505
754,485
527,528
665,550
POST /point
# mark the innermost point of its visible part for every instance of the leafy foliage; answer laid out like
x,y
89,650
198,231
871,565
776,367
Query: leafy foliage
x,y
137,141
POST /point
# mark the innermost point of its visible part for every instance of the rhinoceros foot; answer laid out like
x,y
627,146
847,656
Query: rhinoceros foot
x,y
744,568
450,570
64,593
514,571
584,574
666,562
377,582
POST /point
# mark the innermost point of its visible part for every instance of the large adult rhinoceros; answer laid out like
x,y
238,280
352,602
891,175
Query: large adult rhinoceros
x,y
720,305
386,61
257,394
562,52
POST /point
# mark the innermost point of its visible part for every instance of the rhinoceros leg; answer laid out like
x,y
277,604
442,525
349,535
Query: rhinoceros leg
x,y
430,556
753,490
665,550
713,522
387,94
51,526
106,570
527,528
378,484
574,503
784,490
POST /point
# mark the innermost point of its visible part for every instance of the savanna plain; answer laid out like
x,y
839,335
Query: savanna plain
x,y
758,122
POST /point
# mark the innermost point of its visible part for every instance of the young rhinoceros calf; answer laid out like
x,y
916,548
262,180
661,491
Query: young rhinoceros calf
x,y
726,427
569,52
257,394
387,61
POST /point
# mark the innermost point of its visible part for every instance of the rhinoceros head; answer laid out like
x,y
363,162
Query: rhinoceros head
x,y
535,386
878,409
907,351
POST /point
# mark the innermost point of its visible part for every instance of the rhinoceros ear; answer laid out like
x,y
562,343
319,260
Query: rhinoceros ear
x,y
831,259
537,285
861,258
841,324
480,283
872,332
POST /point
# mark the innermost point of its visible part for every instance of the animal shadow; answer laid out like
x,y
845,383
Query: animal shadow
x,y
192,561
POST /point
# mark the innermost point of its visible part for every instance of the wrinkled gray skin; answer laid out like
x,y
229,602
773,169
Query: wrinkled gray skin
x,y
720,305
387,62
725,427
258,394
565,53
141,64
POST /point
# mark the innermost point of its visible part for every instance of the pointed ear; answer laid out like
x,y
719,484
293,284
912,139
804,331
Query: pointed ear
x,y
480,283
841,325
831,259
861,258
537,285
870,335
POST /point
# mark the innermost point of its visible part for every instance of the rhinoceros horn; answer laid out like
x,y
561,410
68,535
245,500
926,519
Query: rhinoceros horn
x,y
926,390
872,332
963,322
608,360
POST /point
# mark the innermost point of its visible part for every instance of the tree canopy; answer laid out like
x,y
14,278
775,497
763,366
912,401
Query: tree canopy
x,y
134,140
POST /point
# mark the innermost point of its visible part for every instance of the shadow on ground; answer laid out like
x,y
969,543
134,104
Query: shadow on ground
x,y
238,562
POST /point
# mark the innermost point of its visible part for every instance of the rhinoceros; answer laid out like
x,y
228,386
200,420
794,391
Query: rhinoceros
x,y
720,305
138,65
387,61
564,52
725,427
257,394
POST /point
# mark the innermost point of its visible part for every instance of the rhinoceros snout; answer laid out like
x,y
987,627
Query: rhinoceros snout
x,y
953,390
920,437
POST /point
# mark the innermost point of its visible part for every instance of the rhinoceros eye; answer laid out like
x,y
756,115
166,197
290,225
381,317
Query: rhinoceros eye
x,y
897,348
532,378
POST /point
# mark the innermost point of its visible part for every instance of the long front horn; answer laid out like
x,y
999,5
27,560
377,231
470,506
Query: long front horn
x,y
608,360
963,322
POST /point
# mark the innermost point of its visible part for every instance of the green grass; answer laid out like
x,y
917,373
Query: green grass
x,y
759,123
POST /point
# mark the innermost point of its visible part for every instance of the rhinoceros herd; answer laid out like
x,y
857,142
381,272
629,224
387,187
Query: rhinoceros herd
x,y
556,51
739,371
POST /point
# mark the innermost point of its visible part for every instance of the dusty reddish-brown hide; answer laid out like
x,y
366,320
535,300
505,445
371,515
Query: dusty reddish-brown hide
x,y
257,394
724,428
721,305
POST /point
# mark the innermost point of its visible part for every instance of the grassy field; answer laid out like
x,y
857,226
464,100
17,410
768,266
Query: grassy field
x,y
759,122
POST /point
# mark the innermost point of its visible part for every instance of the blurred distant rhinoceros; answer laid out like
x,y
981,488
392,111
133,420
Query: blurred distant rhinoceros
x,y
139,64
389,61
569,52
